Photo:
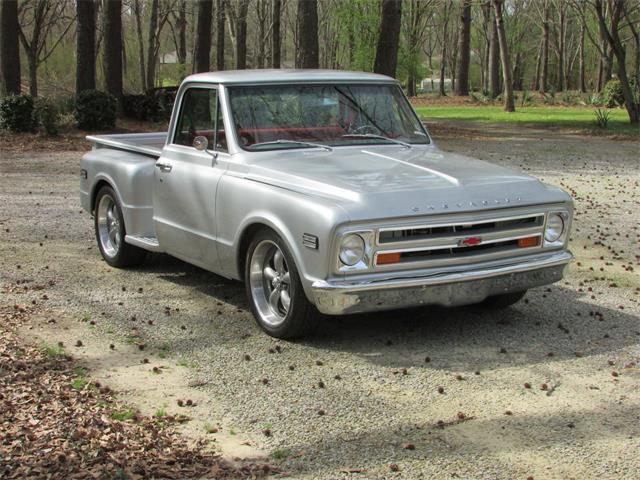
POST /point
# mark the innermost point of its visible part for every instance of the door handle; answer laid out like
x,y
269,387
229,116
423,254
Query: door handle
x,y
164,167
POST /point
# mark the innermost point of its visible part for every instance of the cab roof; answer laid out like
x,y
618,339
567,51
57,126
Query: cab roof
x,y
239,77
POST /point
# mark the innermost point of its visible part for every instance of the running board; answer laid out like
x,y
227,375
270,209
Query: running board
x,y
146,243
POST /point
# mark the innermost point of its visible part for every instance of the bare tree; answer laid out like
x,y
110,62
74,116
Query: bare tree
x,y
241,35
220,21
612,35
464,49
416,16
9,47
137,11
307,55
113,48
544,66
388,38
86,46
509,104
275,36
151,52
39,18
203,37
446,8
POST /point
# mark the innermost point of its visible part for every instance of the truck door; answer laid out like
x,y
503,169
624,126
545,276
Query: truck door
x,y
186,180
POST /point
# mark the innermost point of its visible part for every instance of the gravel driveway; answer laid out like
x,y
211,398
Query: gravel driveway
x,y
549,388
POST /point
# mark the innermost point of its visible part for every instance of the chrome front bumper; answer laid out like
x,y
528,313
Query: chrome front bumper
x,y
448,287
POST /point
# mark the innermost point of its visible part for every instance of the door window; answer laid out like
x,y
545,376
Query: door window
x,y
200,115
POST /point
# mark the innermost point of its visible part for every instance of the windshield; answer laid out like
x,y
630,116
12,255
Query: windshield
x,y
269,117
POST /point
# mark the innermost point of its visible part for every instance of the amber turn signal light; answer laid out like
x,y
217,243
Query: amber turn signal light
x,y
528,242
387,258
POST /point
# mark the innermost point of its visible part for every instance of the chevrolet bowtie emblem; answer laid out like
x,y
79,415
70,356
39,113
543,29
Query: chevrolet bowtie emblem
x,y
469,241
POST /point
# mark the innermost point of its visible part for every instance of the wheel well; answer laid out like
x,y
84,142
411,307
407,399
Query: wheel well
x,y
245,239
96,189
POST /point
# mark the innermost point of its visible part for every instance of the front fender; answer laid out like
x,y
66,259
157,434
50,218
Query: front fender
x,y
243,204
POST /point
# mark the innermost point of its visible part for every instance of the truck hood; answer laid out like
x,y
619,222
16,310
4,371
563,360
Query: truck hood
x,y
388,181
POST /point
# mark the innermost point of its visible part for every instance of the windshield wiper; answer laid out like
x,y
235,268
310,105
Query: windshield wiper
x,y
379,137
309,144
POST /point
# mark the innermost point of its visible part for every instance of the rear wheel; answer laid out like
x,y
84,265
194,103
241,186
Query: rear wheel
x,y
504,300
110,232
274,290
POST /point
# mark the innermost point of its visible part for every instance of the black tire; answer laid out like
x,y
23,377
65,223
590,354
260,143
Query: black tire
x,y
299,318
125,255
504,300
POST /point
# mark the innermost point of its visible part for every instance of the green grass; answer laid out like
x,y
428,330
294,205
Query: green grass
x,y
566,117
53,352
160,413
280,453
124,415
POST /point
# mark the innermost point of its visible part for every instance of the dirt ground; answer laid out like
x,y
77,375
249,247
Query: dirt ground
x,y
548,388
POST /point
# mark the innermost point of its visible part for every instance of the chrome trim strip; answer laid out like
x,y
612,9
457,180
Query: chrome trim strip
x,y
439,225
440,277
456,245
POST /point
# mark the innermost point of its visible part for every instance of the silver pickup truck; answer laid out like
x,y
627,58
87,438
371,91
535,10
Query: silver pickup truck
x,y
321,191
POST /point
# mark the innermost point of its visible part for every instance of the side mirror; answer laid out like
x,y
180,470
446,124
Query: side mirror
x,y
200,143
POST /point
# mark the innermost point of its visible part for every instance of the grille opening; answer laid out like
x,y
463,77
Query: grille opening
x,y
458,252
423,233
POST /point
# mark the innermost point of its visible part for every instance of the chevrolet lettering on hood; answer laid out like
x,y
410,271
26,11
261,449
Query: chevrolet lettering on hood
x,y
322,191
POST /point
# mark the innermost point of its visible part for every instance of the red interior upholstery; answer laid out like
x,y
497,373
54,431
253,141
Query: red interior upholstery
x,y
260,135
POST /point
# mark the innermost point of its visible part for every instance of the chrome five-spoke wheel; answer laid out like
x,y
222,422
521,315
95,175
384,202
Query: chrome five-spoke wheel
x,y
109,228
270,283
111,231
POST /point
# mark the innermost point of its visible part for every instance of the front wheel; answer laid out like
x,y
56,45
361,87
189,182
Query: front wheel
x,y
110,232
274,290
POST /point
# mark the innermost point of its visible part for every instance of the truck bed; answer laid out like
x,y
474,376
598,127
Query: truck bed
x,y
149,144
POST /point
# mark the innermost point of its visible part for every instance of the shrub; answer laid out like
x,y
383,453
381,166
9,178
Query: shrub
x,y
48,115
153,105
17,113
141,106
95,110
592,99
602,117
612,95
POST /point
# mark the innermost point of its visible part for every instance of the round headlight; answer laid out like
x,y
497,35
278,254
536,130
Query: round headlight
x,y
555,228
351,249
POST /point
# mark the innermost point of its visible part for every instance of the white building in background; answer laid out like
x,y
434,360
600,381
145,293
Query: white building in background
x,y
432,84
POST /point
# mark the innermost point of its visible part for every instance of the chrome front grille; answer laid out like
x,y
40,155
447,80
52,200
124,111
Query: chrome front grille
x,y
451,242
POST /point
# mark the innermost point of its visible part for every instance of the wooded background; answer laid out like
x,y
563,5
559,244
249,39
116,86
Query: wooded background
x,y
497,46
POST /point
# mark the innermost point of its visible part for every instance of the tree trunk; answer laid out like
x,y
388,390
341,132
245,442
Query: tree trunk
x,y
9,47
464,50
487,21
275,36
138,14
151,51
544,69
307,25
220,22
509,104
113,48
241,35
182,32
494,60
581,80
86,46
613,37
388,38
561,85
203,36
33,74
443,51
536,78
